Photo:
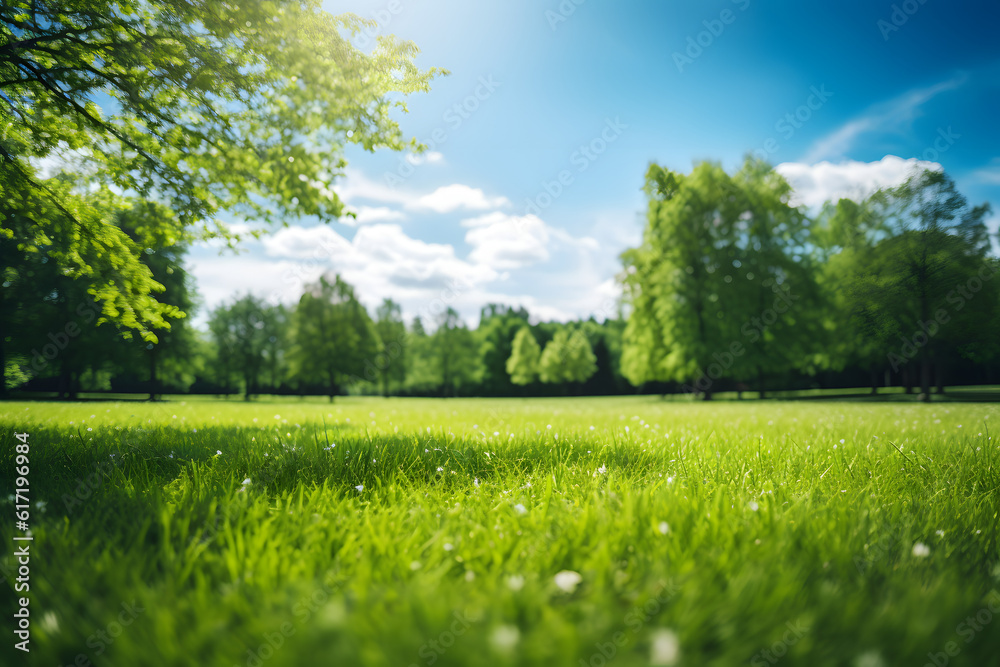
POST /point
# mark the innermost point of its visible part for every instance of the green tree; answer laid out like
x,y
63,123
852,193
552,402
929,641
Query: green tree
x,y
421,376
498,324
844,244
567,358
675,282
455,354
39,238
168,358
391,360
912,275
522,365
722,286
774,293
241,333
334,336
205,105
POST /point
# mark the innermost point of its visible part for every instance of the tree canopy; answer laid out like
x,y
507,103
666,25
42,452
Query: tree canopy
x,y
203,105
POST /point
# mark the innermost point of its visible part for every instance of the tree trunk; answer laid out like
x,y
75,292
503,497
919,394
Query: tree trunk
x,y
908,379
874,379
925,380
152,374
939,376
760,382
71,386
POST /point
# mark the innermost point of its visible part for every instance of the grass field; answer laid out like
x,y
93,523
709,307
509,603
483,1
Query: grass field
x,y
625,531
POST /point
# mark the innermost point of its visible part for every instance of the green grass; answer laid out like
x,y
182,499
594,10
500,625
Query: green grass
x,y
707,528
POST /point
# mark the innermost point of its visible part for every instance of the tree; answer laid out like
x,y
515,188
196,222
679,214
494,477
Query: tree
x,y
242,331
454,351
421,376
912,272
522,365
108,266
334,336
774,291
171,352
722,286
675,283
391,360
567,358
498,324
844,246
204,105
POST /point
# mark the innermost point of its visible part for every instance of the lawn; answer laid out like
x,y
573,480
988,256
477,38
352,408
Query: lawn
x,y
625,531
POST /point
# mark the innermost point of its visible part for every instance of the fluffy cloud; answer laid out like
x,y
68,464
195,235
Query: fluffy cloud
x,y
511,242
506,241
380,253
452,197
515,260
825,181
356,185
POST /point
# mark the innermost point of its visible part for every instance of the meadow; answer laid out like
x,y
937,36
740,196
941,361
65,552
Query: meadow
x,y
624,531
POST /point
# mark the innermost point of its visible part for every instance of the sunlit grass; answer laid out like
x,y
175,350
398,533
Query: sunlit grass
x,y
399,532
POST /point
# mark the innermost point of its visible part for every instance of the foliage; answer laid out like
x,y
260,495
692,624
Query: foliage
x,y
522,365
204,105
454,353
916,276
567,358
335,339
391,361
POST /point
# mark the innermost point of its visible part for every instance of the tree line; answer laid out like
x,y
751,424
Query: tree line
x,y
734,287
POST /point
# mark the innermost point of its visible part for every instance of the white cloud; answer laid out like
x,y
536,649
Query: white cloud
x,y
891,116
816,184
318,243
430,157
515,260
369,214
444,199
507,242
381,260
511,242
221,278
451,197
356,185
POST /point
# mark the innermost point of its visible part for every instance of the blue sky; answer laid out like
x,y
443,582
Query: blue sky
x,y
540,136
